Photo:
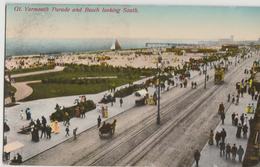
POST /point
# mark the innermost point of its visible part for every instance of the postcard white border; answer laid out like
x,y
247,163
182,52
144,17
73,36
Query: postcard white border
x,y
155,2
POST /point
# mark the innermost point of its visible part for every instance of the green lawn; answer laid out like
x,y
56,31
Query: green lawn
x,y
67,82
74,71
63,74
48,90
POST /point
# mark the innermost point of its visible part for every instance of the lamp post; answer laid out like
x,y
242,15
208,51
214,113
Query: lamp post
x,y
205,72
236,61
159,89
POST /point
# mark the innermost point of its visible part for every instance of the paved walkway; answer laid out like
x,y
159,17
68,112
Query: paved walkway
x,y
46,107
22,90
210,155
56,69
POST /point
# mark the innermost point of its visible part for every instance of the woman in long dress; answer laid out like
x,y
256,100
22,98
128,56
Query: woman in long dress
x,y
211,136
56,128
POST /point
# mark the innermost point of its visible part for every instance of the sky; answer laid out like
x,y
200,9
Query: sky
x,y
149,22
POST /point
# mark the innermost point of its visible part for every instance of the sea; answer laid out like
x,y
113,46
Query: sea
x,y
17,47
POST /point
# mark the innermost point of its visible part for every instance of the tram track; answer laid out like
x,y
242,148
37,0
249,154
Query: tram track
x,y
122,150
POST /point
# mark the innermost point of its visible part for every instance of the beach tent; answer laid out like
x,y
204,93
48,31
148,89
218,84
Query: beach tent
x,y
115,45
10,147
141,92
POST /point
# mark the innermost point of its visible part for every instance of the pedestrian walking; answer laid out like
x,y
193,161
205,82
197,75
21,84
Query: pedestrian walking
x,y
222,116
239,129
221,108
67,131
233,99
98,121
83,112
44,121
44,131
233,118
75,133
211,135
121,102
217,138
234,152
228,98
228,150
245,118
237,100
253,108
48,131
38,124
223,135
236,120
242,119
245,130
240,153
28,114
197,157
256,96
222,149
67,122
252,94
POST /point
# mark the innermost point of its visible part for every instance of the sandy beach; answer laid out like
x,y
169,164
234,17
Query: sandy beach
x,y
133,58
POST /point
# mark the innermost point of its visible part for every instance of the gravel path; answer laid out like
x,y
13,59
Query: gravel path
x,y
56,69
22,88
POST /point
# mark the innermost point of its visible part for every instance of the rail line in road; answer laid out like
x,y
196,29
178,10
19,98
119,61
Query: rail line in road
x,y
199,114
123,149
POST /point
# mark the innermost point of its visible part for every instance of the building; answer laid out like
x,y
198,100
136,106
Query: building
x,y
226,40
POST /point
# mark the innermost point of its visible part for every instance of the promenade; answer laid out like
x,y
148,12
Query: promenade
x,y
210,155
44,107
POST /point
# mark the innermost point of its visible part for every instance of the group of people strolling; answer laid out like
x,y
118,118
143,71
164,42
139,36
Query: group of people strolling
x,y
194,85
17,159
234,100
241,126
40,126
246,85
225,149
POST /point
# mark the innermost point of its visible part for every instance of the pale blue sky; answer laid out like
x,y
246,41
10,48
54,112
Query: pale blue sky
x,y
154,22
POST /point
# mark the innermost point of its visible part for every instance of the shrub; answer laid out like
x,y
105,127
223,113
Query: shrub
x,y
128,90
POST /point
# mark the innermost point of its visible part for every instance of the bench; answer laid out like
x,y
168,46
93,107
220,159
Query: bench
x,y
25,130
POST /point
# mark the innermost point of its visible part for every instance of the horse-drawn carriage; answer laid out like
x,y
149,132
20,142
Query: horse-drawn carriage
x,y
107,129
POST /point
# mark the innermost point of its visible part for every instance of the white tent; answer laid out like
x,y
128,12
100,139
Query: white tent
x,y
10,147
115,45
